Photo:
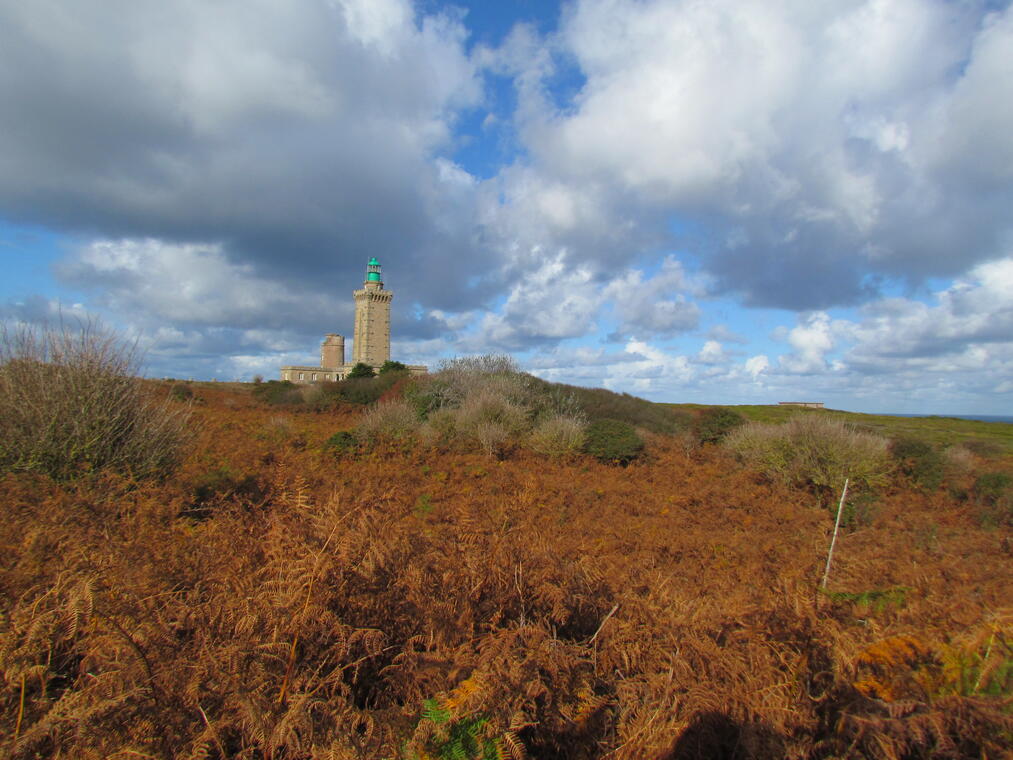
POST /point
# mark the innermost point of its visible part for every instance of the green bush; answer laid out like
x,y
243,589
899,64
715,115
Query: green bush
x,y
715,423
278,392
392,366
989,487
920,461
71,404
361,370
983,449
994,495
601,404
613,441
363,390
813,450
181,392
218,486
341,443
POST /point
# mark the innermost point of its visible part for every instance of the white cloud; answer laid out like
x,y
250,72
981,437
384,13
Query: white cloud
x,y
757,365
189,284
972,322
654,306
811,130
712,353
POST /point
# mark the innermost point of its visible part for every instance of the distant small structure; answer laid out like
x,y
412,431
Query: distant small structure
x,y
371,344
806,404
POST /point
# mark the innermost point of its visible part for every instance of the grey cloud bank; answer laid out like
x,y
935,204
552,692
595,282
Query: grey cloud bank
x,y
227,168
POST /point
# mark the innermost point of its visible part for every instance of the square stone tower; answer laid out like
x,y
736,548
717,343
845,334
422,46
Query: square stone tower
x,y
372,319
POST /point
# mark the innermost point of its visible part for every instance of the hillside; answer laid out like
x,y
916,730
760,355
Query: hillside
x,y
944,431
291,594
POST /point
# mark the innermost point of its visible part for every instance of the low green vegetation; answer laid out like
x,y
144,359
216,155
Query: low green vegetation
x,y
993,493
392,366
319,396
986,439
361,370
613,441
875,600
714,424
341,443
920,461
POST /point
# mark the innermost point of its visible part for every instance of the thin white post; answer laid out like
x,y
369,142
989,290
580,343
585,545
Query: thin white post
x,y
837,525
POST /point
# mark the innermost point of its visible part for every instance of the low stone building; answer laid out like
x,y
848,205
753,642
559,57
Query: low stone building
x,y
806,404
371,338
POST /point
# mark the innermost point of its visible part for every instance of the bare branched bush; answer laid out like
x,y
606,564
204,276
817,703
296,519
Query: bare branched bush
x,y
440,427
958,461
388,421
558,436
492,436
71,403
814,450
491,418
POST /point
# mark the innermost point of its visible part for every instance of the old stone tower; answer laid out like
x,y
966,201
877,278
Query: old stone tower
x,y
371,336
371,341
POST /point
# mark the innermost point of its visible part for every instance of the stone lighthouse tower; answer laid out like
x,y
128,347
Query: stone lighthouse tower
x,y
372,319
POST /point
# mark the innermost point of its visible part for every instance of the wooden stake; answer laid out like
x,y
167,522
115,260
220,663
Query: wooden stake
x,y
837,525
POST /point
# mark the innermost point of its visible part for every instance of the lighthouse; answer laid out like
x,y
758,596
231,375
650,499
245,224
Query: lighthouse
x,y
371,336
371,339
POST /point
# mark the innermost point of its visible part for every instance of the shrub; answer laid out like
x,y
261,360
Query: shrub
x,y
181,392
392,366
387,422
491,436
989,487
919,461
613,441
219,485
983,449
601,404
813,450
716,422
278,392
341,443
70,403
993,492
361,370
558,436
362,390
440,427
957,461
489,406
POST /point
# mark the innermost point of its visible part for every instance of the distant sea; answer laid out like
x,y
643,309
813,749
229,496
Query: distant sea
x,y
979,417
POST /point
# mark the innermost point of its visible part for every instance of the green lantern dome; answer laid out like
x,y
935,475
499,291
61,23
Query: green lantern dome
x,y
373,271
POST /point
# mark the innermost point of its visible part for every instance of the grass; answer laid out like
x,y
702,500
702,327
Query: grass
x,y
941,431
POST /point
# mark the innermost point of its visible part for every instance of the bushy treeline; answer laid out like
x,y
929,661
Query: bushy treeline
x,y
71,404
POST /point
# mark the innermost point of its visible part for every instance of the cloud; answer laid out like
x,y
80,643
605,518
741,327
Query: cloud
x,y
811,339
712,353
654,306
757,365
971,325
816,144
299,137
723,334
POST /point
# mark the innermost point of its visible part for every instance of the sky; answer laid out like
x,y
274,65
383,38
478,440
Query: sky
x,y
729,202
